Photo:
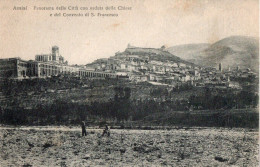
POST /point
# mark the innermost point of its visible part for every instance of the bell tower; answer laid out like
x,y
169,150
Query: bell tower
x,y
55,53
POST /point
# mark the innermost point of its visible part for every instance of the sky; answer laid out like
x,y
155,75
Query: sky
x,y
150,23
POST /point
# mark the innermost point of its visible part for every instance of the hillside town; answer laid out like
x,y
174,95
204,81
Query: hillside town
x,y
155,66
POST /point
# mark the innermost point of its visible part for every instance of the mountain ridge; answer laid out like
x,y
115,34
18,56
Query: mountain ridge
x,y
231,52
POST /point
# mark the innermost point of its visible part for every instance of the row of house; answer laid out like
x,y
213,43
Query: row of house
x,y
140,68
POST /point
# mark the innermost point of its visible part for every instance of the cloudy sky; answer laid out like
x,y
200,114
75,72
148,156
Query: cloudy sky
x,y
150,23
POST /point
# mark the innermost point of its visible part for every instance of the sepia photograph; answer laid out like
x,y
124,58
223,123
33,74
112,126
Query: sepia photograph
x,y
129,83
